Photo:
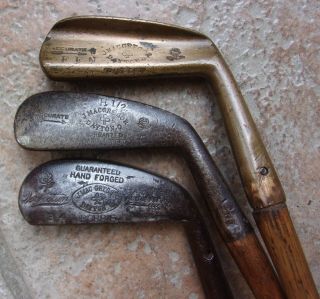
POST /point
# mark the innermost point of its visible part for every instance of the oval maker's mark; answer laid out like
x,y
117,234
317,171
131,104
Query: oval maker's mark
x,y
96,198
127,52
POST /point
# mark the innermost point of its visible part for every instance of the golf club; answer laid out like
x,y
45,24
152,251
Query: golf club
x,y
105,47
66,121
88,192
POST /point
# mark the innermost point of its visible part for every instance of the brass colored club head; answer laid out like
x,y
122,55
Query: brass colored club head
x,y
110,47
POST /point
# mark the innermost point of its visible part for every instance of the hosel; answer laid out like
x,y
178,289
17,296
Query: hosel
x,y
232,224
261,184
258,175
213,188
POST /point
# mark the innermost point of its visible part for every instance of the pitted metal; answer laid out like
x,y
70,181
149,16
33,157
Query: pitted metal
x,y
90,192
75,192
62,120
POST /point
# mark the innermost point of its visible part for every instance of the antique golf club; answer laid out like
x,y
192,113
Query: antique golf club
x,y
105,47
90,192
66,121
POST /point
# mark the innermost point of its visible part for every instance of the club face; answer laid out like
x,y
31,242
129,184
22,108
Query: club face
x,y
62,120
79,192
97,47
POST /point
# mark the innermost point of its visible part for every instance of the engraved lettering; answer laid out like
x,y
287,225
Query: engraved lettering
x,y
125,70
96,198
106,178
107,120
99,174
127,52
45,199
72,50
60,118
97,218
80,175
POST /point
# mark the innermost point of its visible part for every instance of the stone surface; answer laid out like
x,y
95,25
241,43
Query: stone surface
x,y
272,48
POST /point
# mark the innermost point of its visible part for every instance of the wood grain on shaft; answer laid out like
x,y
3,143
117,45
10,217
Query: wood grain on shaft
x,y
286,252
255,266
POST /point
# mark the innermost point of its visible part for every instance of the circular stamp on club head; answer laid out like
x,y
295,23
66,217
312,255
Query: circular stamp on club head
x,y
96,198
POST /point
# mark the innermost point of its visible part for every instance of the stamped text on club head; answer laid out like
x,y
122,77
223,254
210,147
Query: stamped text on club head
x,y
62,192
65,120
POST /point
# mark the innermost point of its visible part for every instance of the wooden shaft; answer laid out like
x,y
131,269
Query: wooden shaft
x,y
234,227
255,266
262,186
286,252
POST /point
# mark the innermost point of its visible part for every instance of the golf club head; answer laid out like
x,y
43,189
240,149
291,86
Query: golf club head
x,y
65,120
100,47
94,46
83,192
91,192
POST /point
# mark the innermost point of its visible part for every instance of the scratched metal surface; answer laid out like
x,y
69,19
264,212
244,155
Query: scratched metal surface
x,y
273,50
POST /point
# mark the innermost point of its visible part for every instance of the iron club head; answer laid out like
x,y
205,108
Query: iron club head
x,y
65,120
91,192
76,192
60,120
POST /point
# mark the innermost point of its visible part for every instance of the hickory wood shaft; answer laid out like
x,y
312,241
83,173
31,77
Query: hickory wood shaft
x,y
252,262
263,188
234,227
286,252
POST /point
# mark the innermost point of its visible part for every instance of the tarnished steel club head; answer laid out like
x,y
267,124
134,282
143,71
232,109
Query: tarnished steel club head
x,y
67,120
91,192
62,120
105,47
80,191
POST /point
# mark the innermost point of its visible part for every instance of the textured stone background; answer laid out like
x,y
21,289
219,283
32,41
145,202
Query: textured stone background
x,y
272,48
